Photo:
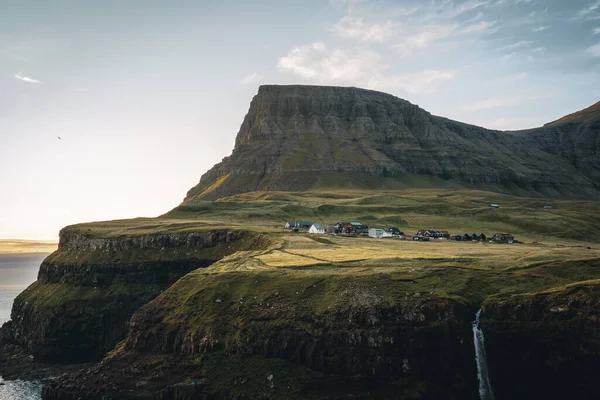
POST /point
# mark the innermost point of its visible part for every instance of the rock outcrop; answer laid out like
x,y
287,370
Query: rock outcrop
x,y
234,336
545,346
305,137
80,306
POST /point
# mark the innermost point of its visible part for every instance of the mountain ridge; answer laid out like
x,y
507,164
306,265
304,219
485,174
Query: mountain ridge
x,y
305,137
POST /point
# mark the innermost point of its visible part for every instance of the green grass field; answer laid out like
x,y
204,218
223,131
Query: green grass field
x,y
560,246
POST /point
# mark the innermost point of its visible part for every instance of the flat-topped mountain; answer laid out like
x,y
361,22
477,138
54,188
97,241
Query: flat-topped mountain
x,y
306,137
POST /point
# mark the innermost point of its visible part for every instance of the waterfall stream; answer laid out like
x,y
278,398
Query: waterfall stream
x,y
485,387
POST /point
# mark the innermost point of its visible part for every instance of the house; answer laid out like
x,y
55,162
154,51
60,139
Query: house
x,y
304,225
290,225
394,231
466,237
458,238
494,205
503,238
547,207
440,235
317,229
339,226
332,229
356,228
379,233
376,233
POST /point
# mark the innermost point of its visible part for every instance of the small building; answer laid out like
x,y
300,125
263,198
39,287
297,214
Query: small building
x,y
356,228
331,229
376,233
547,207
440,235
304,224
505,238
317,229
290,225
394,231
494,205
339,226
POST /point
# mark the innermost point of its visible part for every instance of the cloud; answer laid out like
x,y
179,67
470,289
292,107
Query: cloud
x,y
315,63
517,45
356,28
448,9
540,28
431,36
596,31
27,79
252,79
594,50
585,12
424,39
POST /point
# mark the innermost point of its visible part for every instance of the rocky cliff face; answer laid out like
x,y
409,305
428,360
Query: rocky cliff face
x,y
301,137
218,336
80,306
545,346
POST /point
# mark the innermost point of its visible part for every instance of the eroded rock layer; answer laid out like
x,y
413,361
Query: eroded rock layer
x,y
302,137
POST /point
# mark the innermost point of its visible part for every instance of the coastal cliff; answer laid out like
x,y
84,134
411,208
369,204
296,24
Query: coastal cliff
x,y
545,345
232,335
80,306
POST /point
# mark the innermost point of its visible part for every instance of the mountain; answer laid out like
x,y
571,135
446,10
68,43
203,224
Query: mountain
x,y
588,115
310,137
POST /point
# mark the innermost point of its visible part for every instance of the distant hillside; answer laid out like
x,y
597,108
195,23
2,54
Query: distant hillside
x,y
309,137
590,114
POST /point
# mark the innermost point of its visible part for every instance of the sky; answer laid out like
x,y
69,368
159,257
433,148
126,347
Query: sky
x,y
147,95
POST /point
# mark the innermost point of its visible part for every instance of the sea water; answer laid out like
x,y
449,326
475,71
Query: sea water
x,y
17,271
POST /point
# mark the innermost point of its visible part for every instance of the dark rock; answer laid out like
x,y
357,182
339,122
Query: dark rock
x,y
303,137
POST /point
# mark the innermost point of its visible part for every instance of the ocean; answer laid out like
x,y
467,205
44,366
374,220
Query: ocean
x,y
17,271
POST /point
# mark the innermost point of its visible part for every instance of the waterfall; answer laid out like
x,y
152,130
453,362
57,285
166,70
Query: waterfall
x,y
485,387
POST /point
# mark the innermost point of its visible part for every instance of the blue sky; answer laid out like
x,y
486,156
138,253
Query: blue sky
x,y
146,95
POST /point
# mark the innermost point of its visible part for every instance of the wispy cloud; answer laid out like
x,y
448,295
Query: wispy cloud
x,y
27,79
517,45
252,79
540,28
594,50
596,31
586,12
315,63
357,28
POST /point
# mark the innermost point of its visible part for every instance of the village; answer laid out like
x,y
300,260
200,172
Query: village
x,y
358,229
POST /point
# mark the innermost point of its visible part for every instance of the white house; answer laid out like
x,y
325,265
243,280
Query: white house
x,y
376,233
317,228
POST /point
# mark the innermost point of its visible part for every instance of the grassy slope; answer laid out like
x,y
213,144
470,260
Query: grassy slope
x,y
299,279
458,211
559,237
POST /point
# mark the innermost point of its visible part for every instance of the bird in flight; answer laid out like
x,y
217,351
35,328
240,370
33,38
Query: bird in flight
x,y
59,138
